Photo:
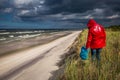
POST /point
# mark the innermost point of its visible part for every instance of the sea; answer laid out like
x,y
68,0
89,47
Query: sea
x,y
15,34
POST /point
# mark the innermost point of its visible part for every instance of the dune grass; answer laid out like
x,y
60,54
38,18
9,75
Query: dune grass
x,y
108,69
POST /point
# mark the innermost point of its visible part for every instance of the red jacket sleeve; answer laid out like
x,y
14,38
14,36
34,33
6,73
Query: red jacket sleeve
x,y
89,39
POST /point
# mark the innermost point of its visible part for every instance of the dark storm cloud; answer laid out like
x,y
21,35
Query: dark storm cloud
x,y
46,7
58,6
113,4
71,5
82,5
2,3
75,11
84,8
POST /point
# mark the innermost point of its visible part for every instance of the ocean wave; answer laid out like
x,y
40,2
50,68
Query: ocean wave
x,y
2,39
11,36
28,36
5,33
39,31
27,32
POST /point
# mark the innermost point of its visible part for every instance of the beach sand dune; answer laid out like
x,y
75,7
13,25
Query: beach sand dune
x,y
36,63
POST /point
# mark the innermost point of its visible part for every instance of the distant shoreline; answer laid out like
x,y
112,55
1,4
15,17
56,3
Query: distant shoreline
x,y
41,29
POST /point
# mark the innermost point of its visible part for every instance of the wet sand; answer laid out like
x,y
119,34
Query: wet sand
x,y
7,48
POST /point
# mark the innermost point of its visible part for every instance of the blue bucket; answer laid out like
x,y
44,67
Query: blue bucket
x,y
84,53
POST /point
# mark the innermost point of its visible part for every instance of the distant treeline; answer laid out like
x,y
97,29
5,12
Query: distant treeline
x,y
38,29
114,27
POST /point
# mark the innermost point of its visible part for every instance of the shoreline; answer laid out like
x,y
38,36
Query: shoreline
x,y
9,48
43,55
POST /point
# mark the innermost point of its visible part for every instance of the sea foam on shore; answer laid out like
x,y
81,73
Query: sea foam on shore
x,y
14,40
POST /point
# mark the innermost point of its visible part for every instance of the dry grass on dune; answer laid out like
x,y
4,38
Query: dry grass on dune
x,y
109,69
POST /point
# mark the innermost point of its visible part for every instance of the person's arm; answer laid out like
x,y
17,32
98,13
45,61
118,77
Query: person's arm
x,y
89,39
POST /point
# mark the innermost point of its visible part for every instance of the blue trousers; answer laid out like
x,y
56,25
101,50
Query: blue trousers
x,y
95,53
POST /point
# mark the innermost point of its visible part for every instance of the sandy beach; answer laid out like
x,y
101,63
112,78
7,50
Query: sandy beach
x,y
17,45
38,62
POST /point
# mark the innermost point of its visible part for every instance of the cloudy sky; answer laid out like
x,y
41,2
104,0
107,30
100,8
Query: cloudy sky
x,y
57,13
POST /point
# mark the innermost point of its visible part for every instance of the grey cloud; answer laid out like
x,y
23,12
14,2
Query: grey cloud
x,y
58,6
2,3
70,11
46,7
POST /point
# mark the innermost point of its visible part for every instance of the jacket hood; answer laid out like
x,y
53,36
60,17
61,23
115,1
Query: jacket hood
x,y
91,23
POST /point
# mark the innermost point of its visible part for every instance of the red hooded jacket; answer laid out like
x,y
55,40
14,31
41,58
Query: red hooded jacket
x,y
96,35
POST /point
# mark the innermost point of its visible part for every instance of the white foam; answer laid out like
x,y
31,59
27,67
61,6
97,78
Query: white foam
x,y
24,32
11,36
39,31
28,36
2,39
5,33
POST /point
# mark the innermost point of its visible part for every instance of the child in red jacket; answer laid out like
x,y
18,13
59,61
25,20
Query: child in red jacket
x,y
96,38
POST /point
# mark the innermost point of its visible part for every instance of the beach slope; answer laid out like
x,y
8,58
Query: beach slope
x,y
36,63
